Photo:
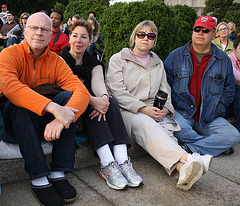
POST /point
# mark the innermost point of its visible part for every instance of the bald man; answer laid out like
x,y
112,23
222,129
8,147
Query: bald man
x,y
41,99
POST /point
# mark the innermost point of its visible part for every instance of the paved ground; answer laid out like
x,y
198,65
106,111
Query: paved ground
x,y
220,186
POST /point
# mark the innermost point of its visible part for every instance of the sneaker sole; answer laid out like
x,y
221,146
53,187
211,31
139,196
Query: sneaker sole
x,y
111,185
193,173
135,185
207,163
70,200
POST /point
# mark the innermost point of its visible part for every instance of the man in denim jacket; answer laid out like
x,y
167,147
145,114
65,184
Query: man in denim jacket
x,y
202,84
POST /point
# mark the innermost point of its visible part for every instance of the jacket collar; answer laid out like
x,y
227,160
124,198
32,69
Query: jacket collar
x,y
55,31
154,59
218,42
215,51
28,51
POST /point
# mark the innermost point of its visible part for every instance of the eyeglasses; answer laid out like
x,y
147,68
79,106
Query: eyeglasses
x,y
223,29
198,29
36,28
150,36
25,18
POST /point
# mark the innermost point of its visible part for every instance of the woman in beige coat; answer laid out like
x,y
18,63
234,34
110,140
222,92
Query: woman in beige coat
x,y
134,77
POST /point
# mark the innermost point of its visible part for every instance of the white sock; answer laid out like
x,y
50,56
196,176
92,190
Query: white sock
x,y
105,155
56,174
40,181
120,153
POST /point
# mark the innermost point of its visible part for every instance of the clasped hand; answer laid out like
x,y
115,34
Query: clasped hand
x,y
100,106
64,116
154,112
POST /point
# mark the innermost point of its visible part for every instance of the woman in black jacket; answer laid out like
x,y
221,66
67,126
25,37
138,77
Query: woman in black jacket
x,y
102,119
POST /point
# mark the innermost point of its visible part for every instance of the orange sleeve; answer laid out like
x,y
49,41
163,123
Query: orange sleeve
x,y
12,64
17,92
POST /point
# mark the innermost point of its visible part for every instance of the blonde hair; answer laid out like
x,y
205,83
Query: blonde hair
x,y
139,27
234,27
23,14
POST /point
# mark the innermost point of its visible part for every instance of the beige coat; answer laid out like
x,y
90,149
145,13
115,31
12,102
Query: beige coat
x,y
135,86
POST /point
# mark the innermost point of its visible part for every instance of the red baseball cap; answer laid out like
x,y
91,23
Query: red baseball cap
x,y
206,22
4,6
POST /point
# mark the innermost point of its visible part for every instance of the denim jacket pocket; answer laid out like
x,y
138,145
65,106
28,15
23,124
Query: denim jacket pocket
x,y
181,81
216,84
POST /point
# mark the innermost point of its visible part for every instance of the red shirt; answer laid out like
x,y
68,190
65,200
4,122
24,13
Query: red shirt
x,y
195,83
61,42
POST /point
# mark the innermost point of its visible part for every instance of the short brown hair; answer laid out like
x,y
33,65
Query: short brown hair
x,y
138,27
84,24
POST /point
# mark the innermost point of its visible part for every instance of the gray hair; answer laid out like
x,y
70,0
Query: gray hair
x,y
221,23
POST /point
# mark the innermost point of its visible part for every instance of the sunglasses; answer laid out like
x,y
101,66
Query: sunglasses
x,y
150,36
25,18
198,29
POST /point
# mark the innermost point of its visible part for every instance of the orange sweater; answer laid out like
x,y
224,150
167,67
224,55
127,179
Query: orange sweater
x,y
19,72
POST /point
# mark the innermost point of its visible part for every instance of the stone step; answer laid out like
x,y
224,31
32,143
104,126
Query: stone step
x,y
13,169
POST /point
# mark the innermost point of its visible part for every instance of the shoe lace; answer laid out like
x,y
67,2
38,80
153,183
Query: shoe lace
x,y
115,170
127,167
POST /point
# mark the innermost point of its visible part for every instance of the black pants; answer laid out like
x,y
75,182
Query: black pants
x,y
26,128
112,131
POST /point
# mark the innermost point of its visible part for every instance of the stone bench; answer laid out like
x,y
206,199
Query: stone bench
x,y
12,169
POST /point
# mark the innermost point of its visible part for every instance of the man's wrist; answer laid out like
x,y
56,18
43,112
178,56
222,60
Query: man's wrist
x,y
51,107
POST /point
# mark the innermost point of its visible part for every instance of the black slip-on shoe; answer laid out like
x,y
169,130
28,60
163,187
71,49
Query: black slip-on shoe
x,y
64,189
46,195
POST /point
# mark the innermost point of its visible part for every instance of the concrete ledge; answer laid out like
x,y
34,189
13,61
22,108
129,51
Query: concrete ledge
x,y
13,169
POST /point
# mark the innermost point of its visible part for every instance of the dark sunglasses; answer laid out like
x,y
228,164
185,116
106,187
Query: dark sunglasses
x,y
25,18
150,36
198,29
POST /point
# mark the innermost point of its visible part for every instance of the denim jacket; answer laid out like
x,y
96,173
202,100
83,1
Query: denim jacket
x,y
217,86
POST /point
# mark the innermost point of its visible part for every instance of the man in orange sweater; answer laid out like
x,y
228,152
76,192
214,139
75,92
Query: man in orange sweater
x,y
30,114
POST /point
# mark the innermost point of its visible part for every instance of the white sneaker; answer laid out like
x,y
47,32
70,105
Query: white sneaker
x,y
113,176
204,159
189,174
134,180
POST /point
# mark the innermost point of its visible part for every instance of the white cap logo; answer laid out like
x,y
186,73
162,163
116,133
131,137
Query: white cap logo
x,y
204,19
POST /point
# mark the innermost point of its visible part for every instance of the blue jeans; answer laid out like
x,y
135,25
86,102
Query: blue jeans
x,y
12,40
217,138
27,128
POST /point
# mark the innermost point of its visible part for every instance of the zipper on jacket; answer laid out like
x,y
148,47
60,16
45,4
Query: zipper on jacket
x,y
33,72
